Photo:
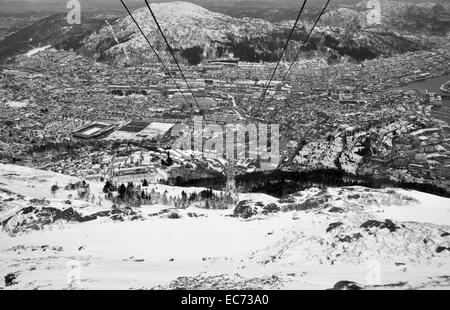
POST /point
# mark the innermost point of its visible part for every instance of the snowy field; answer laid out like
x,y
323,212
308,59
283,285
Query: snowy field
x,y
319,237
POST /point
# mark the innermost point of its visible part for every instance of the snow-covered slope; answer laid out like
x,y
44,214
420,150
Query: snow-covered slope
x,y
184,24
311,240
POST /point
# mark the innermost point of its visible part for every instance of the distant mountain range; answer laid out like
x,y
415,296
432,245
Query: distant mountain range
x,y
193,29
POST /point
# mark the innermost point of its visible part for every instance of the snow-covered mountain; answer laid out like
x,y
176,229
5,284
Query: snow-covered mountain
x,y
342,238
185,25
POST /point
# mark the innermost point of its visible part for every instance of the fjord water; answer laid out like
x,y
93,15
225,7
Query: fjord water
x,y
431,84
434,85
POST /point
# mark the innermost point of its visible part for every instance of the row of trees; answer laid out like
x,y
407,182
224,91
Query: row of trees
x,y
193,55
268,47
138,195
281,183
83,192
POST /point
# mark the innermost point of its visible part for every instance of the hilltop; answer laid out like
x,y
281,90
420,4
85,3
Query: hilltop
x,y
186,25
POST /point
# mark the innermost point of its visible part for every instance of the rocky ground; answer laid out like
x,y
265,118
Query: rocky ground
x,y
335,238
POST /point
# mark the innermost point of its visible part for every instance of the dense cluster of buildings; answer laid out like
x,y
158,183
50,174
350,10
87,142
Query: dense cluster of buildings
x,y
358,117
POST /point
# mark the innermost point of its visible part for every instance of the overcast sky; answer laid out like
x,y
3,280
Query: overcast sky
x,y
40,5
60,5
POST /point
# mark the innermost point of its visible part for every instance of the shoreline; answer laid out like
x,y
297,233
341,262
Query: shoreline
x,y
432,84
446,87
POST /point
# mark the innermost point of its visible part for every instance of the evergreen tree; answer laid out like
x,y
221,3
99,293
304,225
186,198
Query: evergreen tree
x,y
54,189
108,187
122,191
164,198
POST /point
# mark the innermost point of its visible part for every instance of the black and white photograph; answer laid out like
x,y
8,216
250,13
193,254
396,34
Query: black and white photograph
x,y
224,145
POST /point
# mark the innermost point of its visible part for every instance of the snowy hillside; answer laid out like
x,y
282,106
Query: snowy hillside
x,y
185,25
309,240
